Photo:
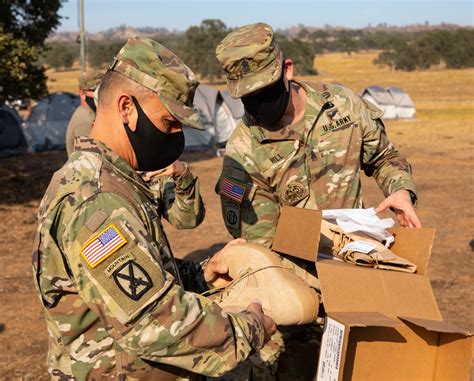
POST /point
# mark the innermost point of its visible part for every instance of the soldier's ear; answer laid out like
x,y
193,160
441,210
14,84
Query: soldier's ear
x,y
288,67
127,110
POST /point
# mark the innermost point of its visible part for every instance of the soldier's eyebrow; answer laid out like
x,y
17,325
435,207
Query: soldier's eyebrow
x,y
170,122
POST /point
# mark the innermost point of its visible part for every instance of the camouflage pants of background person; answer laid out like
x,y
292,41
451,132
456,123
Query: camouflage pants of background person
x,y
292,353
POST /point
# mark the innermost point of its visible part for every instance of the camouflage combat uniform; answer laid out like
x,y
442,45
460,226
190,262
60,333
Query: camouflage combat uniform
x,y
112,293
313,163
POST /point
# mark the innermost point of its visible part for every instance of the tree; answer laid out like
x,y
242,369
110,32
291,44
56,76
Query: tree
x,y
459,52
60,55
101,53
302,54
19,76
199,45
346,43
423,50
24,26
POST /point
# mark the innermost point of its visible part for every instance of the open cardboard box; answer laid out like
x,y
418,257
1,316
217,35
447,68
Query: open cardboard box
x,y
380,325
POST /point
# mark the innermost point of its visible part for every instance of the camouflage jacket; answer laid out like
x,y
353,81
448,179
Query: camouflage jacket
x,y
109,284
314,163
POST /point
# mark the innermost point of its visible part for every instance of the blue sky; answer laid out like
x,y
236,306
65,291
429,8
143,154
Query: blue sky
x,y
180,14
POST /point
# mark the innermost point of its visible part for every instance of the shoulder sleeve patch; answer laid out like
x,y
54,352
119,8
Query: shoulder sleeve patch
x,y
232,190
128,281
103,245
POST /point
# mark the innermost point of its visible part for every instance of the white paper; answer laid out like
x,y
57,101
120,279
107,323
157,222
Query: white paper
x,y
362,221
331,351
359,246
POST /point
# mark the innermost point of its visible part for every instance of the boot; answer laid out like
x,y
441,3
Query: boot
x,y
257,273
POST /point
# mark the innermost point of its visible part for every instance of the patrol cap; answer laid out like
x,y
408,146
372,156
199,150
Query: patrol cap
x,y
90,81
152,65
251,59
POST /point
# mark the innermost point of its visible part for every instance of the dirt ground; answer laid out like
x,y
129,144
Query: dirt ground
x,y
439,143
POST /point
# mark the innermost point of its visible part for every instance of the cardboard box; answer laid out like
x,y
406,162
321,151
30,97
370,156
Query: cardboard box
x,y
380,325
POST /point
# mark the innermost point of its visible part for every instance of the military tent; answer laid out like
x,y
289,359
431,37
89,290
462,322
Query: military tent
x,y
380,98
12,141
404,106
219,114
47,123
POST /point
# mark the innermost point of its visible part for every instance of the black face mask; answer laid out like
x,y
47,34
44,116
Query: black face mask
x,y
153,148
269,105
90,102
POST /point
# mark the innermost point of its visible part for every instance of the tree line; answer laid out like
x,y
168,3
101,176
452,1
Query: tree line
x,y
401,50
24,54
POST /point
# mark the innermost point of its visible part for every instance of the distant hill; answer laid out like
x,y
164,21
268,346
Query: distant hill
x,y
123,32
295,30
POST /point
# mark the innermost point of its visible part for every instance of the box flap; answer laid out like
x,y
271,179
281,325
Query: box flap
x,y
414,245
349,288
436,326
297,233
365,319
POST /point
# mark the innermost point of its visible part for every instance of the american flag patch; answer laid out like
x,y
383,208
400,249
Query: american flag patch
x,y
102,246
232,190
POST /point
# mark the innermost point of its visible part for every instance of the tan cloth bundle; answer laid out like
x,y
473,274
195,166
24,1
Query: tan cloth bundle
x,y
359,249
258,273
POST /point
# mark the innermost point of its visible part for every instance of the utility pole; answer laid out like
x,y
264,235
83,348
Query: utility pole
x,y
83,38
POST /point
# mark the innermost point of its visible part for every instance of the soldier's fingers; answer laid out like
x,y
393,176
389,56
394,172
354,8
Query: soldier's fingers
x,y
382,206
402,221
414,221
221,268
168,171
270,324
147,176
256,307
236,241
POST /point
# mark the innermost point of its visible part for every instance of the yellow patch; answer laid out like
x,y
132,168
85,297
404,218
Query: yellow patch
x,y
103,245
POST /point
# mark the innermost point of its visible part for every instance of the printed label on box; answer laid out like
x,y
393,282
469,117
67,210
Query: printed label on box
x,y
331,351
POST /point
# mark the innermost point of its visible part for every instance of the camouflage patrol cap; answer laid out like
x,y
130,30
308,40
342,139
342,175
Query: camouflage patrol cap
x,y
251,59
152,65
89,81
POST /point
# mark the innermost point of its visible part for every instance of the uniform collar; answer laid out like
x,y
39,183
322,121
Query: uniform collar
x,y
295,131
86,144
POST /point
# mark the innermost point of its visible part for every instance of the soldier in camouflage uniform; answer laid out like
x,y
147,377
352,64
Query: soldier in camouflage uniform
x,y
112,293
299,143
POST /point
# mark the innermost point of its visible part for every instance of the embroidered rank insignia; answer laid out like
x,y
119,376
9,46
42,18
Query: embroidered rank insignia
x,y
133,280
232,190
293,192
102,246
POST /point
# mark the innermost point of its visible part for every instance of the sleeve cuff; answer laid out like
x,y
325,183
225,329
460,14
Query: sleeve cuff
x,y
184,181
251,329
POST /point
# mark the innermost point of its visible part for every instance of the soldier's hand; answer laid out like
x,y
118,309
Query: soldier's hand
x,y
401,204
216,273
269,326
174,170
